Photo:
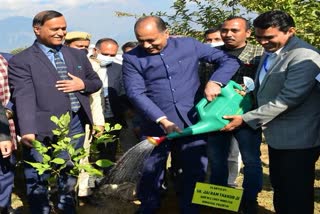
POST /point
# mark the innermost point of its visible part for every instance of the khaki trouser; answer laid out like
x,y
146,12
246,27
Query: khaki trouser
x,y
83,179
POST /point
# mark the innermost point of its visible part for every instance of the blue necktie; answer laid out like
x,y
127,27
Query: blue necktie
x,y
265,62
264,71
63,73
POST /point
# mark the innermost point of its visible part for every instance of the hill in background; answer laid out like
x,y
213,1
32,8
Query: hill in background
x,y
16,32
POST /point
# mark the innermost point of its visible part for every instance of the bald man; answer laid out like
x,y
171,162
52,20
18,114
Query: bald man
x,y
161,79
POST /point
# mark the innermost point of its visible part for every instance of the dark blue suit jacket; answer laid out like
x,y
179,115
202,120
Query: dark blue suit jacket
x,y
7,56
32,78
118,100
166,84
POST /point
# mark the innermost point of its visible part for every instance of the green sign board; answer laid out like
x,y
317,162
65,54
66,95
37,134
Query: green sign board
x,y
217,196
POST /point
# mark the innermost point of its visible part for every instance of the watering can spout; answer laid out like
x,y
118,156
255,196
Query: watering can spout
x,y
198,128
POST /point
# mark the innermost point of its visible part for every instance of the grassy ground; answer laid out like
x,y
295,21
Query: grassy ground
x,y
169,204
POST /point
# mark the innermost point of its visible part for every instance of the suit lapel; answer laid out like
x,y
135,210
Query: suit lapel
x,y
277,60
72,62
289,46
45,61
256,80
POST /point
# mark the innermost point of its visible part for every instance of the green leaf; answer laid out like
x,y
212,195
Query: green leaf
x,y
107,127
58,161
104,163
104,139
90,169
79,157
56,132
65,119
67,140
117,127
71,150
46,166
77,136
54,119
36,144
55,146
79,151
40,167
94,171
41,171
34,165
46,158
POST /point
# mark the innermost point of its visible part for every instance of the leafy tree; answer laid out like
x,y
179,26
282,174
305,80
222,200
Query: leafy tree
x,y
17,50
306,14
193,17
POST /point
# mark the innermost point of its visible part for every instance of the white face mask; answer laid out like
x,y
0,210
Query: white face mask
x,y
104,60
216,44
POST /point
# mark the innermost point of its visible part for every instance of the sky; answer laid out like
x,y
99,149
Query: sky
x,y
94,16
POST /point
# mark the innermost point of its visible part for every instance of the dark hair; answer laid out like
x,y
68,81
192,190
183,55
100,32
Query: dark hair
x,y
109,40
239,17
275,18
44,16
212,30
161,25
128,45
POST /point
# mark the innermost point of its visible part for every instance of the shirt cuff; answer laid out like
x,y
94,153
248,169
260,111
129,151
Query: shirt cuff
x,y
161,118
219,83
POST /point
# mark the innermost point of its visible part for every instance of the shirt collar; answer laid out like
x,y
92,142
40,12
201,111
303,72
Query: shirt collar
x,y
274,54
163,51
47,49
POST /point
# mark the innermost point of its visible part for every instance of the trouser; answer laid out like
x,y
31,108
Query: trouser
x,y
83,178
191,154
292,174
249,141
37,185
234,162
6,180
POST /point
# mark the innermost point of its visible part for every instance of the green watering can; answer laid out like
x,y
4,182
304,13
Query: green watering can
x,y
210,114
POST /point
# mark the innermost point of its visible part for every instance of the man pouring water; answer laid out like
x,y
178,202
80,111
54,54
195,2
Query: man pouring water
x,y
161,79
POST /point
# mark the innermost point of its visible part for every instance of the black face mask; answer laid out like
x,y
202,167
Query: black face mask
x,y
85,51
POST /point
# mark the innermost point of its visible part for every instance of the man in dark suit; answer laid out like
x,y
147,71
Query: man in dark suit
x,y
50,79
115,100
288,99
161,79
